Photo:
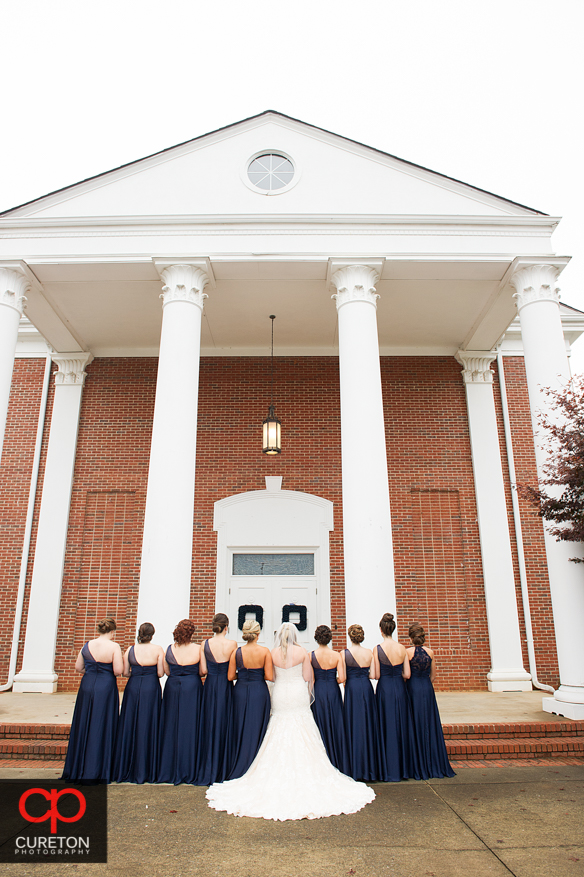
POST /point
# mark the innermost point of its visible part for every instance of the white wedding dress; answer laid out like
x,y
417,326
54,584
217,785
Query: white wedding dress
x,y
291,776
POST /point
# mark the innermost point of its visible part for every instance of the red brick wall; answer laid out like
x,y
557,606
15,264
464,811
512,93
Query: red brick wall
x,y
531,524
15,474
436,541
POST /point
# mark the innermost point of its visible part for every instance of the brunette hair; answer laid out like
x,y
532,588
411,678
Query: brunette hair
x,y
387,624
251,630
356,634
417,634
323,635
220,622
106,624
183,632
145,632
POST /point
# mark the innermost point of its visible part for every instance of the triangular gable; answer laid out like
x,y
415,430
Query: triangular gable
x,y
206,176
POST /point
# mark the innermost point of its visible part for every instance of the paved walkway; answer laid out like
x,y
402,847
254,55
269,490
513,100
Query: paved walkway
x,y
455,707
493,822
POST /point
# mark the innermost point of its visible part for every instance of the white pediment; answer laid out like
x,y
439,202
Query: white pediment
x,y
205,177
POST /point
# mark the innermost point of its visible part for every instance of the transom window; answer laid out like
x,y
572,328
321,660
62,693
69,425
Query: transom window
x,y
273,564
270,172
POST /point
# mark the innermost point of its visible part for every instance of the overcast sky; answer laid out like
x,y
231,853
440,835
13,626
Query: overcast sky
x,y
489,93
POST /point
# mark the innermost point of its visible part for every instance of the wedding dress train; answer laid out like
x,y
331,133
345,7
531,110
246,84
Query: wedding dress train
x,y
291,776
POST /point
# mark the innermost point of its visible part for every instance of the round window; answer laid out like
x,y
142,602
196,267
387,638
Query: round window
x,y
270,172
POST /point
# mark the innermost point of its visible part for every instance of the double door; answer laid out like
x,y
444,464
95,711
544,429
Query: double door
x,y
274,598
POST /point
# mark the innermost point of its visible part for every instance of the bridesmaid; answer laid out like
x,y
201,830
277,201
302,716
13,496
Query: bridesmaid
x,y
360,712
217,691
137,743
432,756
181,707
327,708
250,711
91,750
397,743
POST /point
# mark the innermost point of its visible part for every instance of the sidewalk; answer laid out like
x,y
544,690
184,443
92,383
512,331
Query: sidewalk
x,y
493,822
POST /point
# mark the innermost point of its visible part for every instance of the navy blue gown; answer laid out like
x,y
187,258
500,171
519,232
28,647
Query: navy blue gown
x,y
250,714
90,754
215,711
179,723
137,742
360,715
397,743
327,710
431,749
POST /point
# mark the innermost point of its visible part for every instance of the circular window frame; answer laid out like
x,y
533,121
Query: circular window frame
x,y
270,151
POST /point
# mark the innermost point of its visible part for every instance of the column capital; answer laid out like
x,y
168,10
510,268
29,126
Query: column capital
x,y
71,368
183,282
14,284
535,283
355,283
476,366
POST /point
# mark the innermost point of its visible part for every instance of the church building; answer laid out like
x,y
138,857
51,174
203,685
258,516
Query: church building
x,y
280,374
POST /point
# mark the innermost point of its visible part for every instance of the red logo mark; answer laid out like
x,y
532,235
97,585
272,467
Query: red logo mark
x,y
53,812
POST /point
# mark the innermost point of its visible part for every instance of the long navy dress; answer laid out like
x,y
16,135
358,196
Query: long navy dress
x,y
360,715
215,711
397,743
327,710
137,742
431,749
90,754
179,723
250,714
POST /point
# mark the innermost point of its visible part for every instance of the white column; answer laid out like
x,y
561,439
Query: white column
x,y
507,672
165,575
38,664
546,365
368,551
13,287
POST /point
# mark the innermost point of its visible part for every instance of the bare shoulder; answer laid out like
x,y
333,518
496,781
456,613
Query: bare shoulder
x,y
429,651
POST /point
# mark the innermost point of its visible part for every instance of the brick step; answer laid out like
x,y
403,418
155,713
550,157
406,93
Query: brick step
x,y
37,750
37,732
512,730
518,747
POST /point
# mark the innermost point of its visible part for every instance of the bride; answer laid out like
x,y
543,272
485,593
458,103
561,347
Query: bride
x,y
291,776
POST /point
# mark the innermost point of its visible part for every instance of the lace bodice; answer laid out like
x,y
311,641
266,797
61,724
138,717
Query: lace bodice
x,y
290,691
420,662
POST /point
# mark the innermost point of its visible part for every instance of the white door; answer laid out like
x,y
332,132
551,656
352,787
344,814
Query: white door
x,y
292,597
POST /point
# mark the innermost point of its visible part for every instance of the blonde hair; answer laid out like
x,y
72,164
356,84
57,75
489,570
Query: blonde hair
x,y
251,630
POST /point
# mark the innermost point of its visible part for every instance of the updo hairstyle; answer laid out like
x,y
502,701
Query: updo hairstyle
x,y
183,632
220,622
145,632
417,634
251,630
387,624
356,634
106,625
323,635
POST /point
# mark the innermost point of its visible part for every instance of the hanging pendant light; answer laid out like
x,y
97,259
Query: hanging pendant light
x,y
272,425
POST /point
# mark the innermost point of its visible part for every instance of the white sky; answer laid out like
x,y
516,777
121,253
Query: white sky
x,y
489,93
